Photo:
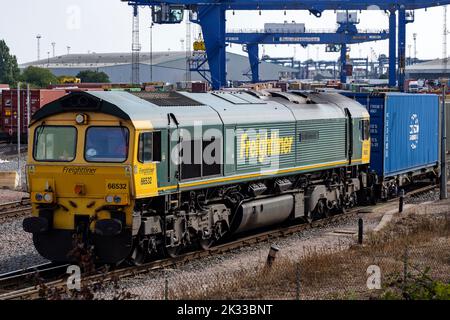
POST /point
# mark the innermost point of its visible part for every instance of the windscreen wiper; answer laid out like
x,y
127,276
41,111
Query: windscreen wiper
x,y
39,132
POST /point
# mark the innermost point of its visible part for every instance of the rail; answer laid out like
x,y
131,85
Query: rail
x,y
15,209
33,292
24,278
9,150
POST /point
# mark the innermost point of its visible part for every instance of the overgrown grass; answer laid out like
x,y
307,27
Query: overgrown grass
x,y
411,243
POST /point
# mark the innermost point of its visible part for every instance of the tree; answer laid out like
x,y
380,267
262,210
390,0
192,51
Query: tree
x,y
38,77
93,76
9,70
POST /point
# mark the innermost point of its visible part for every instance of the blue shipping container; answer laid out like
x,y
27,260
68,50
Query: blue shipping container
x,y
404,131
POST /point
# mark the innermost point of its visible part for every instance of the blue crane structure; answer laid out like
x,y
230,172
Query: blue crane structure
x,y
302,66
342,37
210,15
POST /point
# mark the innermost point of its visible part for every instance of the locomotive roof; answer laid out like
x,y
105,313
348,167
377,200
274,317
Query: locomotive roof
x,y
156,110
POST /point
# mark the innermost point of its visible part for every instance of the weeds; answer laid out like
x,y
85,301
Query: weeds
x,y
412,254
341,274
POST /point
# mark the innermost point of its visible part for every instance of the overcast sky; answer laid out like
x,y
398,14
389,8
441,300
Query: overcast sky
x,y
105,26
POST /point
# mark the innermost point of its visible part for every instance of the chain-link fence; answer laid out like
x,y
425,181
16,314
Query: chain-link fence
x,y
409,259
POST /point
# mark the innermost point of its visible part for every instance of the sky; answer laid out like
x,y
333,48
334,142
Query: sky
x,y
105,26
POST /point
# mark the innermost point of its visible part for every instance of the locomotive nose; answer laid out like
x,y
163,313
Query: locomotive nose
x,y
110,238
81,204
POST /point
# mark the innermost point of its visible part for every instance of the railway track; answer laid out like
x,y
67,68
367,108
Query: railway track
x,y
15,209
33,292
8,150
25,278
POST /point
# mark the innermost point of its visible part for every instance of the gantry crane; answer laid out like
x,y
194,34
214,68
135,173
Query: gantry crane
x,y
210,15
345,34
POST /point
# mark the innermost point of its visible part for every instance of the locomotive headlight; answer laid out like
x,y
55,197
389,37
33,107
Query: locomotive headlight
x,y
109,199
117,199
48,197
81,118
39,197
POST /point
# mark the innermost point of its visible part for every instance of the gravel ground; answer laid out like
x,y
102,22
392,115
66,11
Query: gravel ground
x,y
16,249
202,271
431,195
337,236
11,196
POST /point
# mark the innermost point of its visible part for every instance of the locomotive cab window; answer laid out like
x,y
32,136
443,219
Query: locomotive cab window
x,y
191,159
365,129
149,147
106,144
55,143
212,156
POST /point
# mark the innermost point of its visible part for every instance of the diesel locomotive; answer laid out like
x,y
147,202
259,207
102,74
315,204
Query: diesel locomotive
x,y
140,174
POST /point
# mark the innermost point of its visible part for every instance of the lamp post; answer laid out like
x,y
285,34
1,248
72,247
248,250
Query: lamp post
x,y
409,53
38,38
151,52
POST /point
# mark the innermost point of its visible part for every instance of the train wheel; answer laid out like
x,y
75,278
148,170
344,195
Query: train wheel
x,y
173,252
139,256
372,196
320,211
205,244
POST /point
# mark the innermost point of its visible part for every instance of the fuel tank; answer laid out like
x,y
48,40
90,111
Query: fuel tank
x,y
264,212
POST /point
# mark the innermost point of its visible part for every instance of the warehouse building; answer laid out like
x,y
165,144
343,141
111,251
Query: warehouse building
x,y
433,69
166,66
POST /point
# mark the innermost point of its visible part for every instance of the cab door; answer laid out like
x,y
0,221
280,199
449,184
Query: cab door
x,y
148,154
366,140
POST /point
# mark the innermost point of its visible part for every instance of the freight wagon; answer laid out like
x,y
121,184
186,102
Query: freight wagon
x,y
9,114
405,135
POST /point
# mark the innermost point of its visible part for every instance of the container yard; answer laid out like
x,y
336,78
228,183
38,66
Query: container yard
x,y
217,158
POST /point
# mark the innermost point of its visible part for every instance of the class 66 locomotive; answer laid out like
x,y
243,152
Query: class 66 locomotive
x,y
136,175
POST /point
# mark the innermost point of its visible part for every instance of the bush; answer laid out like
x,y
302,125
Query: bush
x,y
90,76
38,77
416,287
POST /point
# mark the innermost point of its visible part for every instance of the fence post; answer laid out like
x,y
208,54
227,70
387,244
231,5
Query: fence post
x,y
166,287
297,281
400,200
272,255
19,128
405,268
360,230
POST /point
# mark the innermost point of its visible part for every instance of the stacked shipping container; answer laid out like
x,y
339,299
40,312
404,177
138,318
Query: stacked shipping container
x,y
9,114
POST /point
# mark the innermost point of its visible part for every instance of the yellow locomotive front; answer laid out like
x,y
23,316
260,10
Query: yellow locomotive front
x,y
81,183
